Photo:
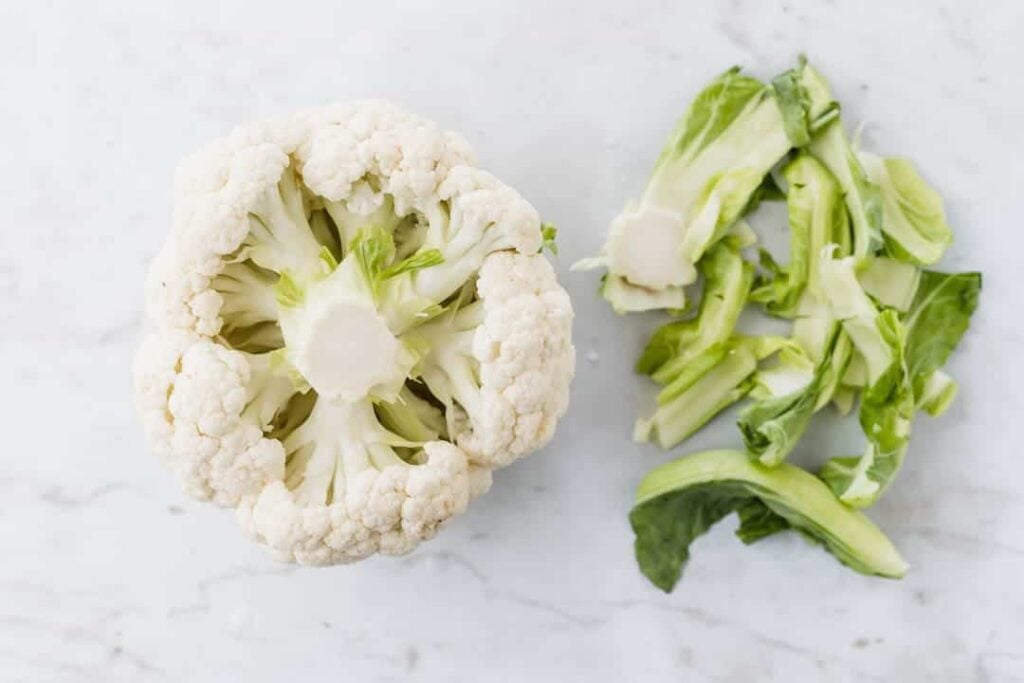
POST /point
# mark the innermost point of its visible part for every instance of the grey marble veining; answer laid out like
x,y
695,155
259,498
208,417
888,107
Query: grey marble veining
x,y
108,573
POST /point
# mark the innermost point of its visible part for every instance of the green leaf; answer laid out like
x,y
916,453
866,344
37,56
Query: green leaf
x,y
288,292
849,303
723,201
713,110
548,233
831,147
727,281
772,426
835,371
374,249
816,217
887,401
328,259
840,473
666,526
794,103
698,366
889,282
938,393
679,501
792,371
863,198
937,320
860,481
757,521
684,411
423,259
805,101
665,343
913,215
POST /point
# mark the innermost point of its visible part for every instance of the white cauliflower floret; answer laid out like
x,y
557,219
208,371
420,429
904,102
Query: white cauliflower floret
x,y
506,361
316,264
156,367
208,410
479,216
408,155
347,494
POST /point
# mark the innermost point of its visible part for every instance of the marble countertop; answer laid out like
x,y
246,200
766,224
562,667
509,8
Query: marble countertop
x,y
108,573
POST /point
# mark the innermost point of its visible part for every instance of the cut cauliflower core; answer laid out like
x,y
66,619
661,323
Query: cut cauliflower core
x,y
342,345
354,329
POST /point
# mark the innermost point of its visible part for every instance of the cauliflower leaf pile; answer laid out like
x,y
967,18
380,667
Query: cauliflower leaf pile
x,y
870,327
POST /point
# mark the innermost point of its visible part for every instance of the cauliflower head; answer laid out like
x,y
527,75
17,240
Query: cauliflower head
x,y
354,328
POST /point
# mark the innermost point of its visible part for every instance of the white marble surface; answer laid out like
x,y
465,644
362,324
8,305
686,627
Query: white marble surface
x,y
108,574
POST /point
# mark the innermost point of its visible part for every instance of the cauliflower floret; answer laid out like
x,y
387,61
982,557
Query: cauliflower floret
x,y
409,157
347,494
155,369
207,408
478,216
505,361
